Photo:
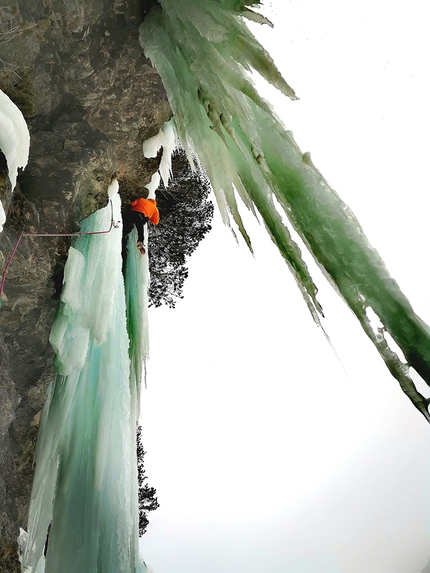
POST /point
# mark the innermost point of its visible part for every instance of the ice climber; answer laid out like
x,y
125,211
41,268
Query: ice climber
x,y
142,211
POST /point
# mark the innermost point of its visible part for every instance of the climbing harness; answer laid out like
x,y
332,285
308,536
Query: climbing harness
x,y
74,235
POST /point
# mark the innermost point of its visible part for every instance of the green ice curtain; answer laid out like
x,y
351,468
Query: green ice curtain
x,y
203,51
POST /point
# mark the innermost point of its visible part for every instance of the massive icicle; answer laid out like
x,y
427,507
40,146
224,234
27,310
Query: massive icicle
x,y
14,141
84,508
136,290
202,50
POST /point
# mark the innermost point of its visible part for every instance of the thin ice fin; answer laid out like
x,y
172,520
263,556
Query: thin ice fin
x,y
251,53
256,17
232,205
397,368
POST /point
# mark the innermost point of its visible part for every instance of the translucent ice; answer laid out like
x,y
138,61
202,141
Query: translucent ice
x,y
136,290
203,52
84,508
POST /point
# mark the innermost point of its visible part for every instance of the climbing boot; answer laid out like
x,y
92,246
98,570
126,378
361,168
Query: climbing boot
x,y
141,247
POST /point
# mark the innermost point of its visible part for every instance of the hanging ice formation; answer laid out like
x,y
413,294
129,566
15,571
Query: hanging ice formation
x,y
84,508
14,142
203,51
164,139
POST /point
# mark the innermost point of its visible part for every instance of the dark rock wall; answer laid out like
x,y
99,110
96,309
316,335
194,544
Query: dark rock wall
x,y
90,98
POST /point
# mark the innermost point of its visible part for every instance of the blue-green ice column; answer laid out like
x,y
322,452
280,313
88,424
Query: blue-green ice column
x,y
203,50
85,486
136,290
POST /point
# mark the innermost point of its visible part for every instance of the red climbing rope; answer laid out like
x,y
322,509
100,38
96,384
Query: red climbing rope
x,y
77,235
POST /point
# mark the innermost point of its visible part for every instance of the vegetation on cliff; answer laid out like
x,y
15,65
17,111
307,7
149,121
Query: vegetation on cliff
x,y
147,495
185,218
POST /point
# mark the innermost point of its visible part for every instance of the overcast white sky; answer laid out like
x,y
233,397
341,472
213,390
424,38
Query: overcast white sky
x,y
266,454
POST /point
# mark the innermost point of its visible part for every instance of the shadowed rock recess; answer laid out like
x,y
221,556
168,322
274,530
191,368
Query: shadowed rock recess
x,y
78,74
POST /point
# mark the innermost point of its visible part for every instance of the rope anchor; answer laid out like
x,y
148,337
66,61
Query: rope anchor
x,y
73,235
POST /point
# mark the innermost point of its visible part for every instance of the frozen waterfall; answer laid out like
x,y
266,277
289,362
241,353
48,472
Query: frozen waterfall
x,y
203,51
84,508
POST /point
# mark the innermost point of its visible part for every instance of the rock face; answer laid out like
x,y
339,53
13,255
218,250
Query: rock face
x,y
90,98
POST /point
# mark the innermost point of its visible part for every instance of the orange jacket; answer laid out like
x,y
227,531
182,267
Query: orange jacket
x,y
148,207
